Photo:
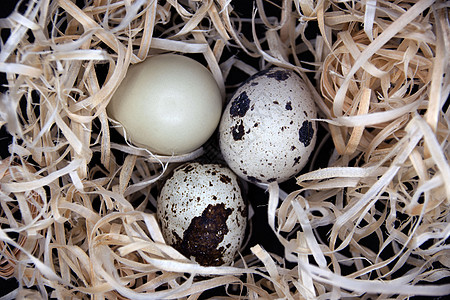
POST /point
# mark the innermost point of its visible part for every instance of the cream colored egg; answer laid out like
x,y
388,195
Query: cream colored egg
x,y
202,213
169,103
267,131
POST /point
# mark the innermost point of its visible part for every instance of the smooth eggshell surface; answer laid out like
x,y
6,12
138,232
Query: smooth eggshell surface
x,y
202,213
169,104
267,133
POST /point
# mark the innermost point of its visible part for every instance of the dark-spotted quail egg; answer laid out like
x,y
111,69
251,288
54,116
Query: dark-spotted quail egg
x,y
202,213
267,131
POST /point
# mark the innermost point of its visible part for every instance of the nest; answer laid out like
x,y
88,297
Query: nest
x,y
368,219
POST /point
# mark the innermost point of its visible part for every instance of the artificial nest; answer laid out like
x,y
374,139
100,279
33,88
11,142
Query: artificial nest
x,y
77,203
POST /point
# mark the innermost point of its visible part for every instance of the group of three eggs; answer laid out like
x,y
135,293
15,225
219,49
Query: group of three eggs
x,y
171,104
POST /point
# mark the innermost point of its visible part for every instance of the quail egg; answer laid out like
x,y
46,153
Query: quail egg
x,y
267,131
202,213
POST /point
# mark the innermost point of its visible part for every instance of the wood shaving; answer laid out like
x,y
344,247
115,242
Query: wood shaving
x,y
76,205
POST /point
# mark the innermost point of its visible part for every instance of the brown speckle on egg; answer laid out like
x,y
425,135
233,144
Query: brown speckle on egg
x,y
279,75
253,179
188,168
288,105
204,234
225,179
297,160
240,105
238,131
306,133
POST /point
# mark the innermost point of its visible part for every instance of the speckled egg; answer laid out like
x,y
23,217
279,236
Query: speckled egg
x,y
202,213
267,131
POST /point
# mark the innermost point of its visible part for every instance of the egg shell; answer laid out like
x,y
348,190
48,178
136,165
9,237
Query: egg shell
x,y
202,213
169,104
266,132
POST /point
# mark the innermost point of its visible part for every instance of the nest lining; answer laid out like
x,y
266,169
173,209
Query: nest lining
x,y
77,203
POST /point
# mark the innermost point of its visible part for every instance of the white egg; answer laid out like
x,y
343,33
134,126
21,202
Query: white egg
x,y
202,213
267,133
169,103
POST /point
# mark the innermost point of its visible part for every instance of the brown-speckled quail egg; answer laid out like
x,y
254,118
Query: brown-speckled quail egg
x,y
202,213
267,131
